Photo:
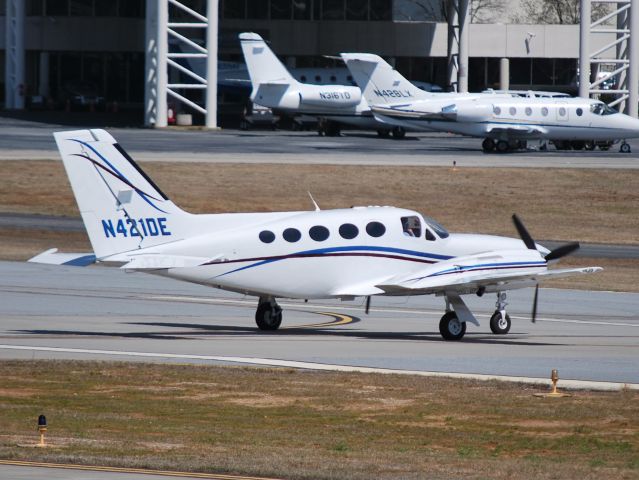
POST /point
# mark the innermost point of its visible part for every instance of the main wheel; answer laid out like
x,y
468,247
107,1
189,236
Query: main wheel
x,y
590,145
624,148
383,133
498,324
488,145
502,146
398,133
268,316
451,328
577,145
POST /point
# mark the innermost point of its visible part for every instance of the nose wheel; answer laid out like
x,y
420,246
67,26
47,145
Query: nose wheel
x,y
268,315
500,321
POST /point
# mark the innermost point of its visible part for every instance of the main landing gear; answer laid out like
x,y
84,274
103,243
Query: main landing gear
x,y
502,146
452,328
269,314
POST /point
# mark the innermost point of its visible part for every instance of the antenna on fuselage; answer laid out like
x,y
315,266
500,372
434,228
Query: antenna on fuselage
x,y
317,208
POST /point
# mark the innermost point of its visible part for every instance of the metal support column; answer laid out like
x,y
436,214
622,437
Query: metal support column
x,y
458,16
464,23
161,63
584,48
633,54
15,88
150,63
211,63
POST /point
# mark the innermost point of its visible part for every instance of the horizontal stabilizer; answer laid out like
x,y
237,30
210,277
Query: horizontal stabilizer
x,y
53,257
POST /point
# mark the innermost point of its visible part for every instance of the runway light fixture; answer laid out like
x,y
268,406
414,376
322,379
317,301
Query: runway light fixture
x,y
554,378
42,428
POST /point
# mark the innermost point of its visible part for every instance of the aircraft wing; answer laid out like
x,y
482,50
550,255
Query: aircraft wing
x,y
471,282
404,111
519,131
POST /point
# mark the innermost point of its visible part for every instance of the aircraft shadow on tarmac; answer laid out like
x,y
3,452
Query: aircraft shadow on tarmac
x,y
196,330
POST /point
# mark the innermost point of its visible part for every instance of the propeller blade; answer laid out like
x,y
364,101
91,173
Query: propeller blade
x,y
523,233
368,304
562,251
534,311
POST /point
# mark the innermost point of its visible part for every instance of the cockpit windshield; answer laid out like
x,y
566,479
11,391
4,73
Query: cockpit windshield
x,y
601,108
435,225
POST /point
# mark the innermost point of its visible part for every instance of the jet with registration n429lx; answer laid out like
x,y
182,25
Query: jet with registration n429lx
x,y
341,253
505,122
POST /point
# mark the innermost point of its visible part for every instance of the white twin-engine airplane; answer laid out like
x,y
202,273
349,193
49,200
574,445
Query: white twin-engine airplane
x,y
505,122
343,253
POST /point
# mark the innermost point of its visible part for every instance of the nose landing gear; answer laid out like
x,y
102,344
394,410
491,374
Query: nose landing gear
x,y
500,321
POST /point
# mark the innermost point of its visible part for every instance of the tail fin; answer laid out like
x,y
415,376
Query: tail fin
x,y
122,209
263,66
380,83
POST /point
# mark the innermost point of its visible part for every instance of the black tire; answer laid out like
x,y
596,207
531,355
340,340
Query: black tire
x,y
451,328
499,325
624,148
383,133
398,133
590,146
502,146
577,145
488,145
268,316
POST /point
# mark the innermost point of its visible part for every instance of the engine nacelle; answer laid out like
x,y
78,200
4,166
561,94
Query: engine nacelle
x,y
276,97
474,112
331,96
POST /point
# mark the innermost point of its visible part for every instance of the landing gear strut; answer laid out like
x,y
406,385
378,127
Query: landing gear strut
x,y
500,321
269,314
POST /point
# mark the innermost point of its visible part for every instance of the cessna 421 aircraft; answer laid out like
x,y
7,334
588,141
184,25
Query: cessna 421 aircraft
x,y
505,122
344,253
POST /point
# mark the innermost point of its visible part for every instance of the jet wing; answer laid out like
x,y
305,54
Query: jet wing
x,y
405,112
519,131
471,282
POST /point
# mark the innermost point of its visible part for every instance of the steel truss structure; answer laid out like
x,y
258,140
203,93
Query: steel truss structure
x,y
618,60
160,61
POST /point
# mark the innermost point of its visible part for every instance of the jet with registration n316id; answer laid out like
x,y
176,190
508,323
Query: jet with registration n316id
x,y
506,122
341,253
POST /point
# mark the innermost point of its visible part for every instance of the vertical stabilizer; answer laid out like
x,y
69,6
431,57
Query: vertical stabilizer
x,y
380,83
122,209
263,65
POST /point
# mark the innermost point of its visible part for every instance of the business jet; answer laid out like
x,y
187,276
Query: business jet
x,y
341,253
506,122
275,88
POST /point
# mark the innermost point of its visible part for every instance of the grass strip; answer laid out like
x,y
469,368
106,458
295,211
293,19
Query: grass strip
x,y
301,425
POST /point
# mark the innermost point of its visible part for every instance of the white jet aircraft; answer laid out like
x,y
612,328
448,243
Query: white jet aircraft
x,y
343,253
275,88
506,122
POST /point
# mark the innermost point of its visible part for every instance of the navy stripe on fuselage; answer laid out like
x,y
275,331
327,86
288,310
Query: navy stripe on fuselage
x,y
355,251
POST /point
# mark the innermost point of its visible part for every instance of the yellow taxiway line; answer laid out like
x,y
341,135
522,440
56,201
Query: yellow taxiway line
x,y
164,473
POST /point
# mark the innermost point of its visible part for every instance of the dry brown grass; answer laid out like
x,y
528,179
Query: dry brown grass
x,y
586,205
300,425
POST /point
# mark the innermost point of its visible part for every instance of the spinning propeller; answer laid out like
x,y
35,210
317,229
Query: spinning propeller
x,y
555,254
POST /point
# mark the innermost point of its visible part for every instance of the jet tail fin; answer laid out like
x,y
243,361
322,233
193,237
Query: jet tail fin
x,y
122,209
263,65
380,83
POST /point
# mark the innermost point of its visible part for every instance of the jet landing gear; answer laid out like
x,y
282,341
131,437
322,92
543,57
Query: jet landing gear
x,y
450,327
269,314
500,321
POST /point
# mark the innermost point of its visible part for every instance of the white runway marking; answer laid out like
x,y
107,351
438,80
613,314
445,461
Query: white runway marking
x,y
379,310
571,384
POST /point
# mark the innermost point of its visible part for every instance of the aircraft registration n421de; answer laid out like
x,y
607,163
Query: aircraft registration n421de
x,y
340,253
